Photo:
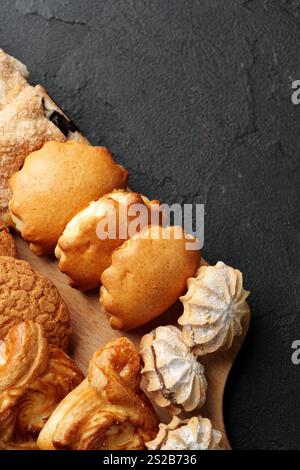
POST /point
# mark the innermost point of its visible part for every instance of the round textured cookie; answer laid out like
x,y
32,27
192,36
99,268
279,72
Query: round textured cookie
x,y
7,243
26,294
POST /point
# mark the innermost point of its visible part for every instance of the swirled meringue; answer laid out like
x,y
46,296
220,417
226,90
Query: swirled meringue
x,y
214,306
191,434
174,379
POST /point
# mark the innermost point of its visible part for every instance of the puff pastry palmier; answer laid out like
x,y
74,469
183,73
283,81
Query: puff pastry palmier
x,y
58,181
147,275
107,410
34,378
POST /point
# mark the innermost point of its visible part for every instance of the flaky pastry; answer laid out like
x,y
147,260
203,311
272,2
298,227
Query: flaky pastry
x,y
214,306
82,250
173,378
58,181
7,243
26,123
34,378
196,433
106,411
13,78
147,275
26,294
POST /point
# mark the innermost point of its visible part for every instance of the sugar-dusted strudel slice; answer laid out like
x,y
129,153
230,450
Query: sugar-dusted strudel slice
x,y
13,78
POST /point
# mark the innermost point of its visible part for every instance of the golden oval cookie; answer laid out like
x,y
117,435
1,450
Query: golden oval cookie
x,y
54,184
26,294
7,242
147,275
82,252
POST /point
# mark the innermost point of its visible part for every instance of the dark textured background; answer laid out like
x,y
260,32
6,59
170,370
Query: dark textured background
x,y
194,98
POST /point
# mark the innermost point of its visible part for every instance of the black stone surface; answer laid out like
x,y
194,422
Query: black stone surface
x,y
194,97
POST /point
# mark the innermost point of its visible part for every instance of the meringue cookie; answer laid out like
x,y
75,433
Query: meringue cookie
x,y
214,306
172,376
191,434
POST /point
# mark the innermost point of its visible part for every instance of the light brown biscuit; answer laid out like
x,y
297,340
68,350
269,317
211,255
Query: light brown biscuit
x,y
26,294
54,184
13,78
7,242
82,252
29,121
147,275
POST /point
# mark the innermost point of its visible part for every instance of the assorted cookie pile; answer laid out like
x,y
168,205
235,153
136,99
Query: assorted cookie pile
x,y
55,189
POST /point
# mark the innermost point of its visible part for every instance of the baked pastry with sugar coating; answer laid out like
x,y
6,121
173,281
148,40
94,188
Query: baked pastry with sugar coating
x,y
34,378
26,294
82,250
58,181
172,376
196,433
13,78
214,307
147,275
7,243
107,410
26,123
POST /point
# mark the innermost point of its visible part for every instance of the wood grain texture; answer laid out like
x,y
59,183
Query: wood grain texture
x,y
91,329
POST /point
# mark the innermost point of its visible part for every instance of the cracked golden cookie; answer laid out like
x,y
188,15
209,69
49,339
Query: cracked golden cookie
x,y
26,123
26,294
7,242
147,275
13,78
58,181
34,378
84,250
107,411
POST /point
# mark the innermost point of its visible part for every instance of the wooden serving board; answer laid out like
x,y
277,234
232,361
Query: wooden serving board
x,y
91,329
